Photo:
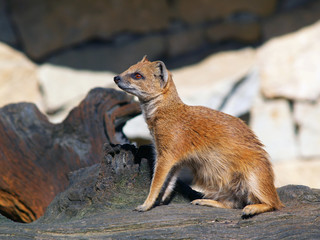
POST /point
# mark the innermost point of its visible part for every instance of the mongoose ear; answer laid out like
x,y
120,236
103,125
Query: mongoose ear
x,y
163,73
145,59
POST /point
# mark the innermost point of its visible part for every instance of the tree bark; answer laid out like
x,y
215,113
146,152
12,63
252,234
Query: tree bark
x,y
36,155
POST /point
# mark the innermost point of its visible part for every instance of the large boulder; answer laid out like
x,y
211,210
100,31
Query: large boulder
x,y
116,58
64,88
18,78
292,18
240,31
289,65
204,10
273,123
307,117
211,80
46,26
7,34
298,172
286,116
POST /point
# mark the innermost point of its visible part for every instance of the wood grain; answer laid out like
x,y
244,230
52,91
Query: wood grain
x,y
36,155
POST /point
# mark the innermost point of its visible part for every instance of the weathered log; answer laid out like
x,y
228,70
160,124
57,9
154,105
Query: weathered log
x,y
36,155
120,180
99,201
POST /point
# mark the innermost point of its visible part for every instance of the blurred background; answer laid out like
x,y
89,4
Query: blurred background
x,y
255,59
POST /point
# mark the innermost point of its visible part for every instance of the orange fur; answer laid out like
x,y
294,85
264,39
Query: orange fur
x,y
228,162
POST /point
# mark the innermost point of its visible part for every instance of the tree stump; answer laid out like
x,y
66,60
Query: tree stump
x,y
36,155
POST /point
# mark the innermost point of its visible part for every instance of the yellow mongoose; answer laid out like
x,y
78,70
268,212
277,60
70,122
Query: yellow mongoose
x,y
228,162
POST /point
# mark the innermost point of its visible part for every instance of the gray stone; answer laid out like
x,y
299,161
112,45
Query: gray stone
x,y
64,88
137,128
240,100
305,172
272,121
46,26
211,80
18,78
289,65
185,41
104,57
291,20
203,10
6,32
307,117
246,32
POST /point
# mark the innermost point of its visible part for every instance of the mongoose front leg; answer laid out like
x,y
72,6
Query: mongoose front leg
x,y
160,176
209,203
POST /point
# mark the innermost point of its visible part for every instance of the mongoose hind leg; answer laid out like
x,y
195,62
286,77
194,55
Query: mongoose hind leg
x,y
254,209
168,191
209,203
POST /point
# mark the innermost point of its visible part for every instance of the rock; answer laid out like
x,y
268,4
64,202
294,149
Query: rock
x,y
247,32
272,122
64,88
303,172
203,10
307,117
18,78
291,20
137,129
182,42
115,58
208,82
47,26
36,155
7,35
240,99
291,4
293,194
289,65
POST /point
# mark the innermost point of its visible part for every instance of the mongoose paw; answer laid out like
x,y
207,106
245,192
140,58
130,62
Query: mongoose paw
x,y
248,212
196,202
142,208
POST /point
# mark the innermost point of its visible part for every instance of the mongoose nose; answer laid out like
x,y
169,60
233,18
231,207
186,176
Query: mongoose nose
x,y
116,79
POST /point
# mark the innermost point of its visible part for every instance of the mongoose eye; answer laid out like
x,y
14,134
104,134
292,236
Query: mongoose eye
x,y
137,76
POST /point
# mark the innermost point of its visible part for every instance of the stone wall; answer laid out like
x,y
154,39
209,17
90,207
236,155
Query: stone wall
x,y
107,34
275,86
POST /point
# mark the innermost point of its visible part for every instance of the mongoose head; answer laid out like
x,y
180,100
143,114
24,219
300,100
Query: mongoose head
x,y
146,79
